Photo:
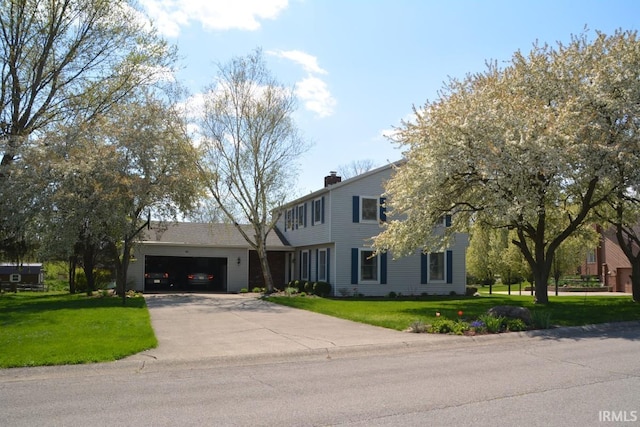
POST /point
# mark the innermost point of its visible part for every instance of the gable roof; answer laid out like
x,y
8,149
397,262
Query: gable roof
x,y
327,189
207,234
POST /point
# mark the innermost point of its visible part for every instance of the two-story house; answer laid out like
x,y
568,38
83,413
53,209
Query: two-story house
x,y
323,236
330,232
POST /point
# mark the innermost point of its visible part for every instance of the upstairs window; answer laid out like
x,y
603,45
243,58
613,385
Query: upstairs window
x,y
302,216
317,217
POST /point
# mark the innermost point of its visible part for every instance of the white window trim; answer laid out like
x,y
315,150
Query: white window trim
x,y
444,268
370,221
320,269
300,216
360,279
317,220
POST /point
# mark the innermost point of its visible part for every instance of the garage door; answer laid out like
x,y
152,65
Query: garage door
x,y
186,274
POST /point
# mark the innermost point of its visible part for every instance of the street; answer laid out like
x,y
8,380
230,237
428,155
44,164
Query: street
x,y
590,379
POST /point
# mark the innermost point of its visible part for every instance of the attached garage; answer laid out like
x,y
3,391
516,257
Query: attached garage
x,y
197,257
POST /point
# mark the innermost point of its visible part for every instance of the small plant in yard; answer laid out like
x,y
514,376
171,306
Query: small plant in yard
x,y
541,319
392,295
493,324
448,326
417,327
516,325
256,290
290,291
244,290
478,326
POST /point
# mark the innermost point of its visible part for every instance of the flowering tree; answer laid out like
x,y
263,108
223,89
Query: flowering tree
x,y
62,59
529,148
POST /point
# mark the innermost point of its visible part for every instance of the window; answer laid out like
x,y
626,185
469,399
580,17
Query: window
x,y
317,211
304,265
368,266
369,209
301,216
436,266
289,219
322,265
591,256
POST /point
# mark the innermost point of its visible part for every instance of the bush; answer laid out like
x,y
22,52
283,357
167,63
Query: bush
x,y
308,288
257,290
290,291
297,284
515,325
541,319
392,295
244,290
470,291
344,292
447,326
493,324
322,289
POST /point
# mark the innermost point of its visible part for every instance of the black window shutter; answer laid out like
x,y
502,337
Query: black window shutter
x,y
356,208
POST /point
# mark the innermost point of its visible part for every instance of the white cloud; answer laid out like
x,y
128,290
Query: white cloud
x,y
316,96
312,91
170,15
308,62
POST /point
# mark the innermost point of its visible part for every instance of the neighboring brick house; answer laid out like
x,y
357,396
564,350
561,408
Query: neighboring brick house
x,y
331,229
609,263
323,236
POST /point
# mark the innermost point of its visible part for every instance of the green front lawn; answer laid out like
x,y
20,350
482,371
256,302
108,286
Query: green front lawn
x,y
400,313
59,328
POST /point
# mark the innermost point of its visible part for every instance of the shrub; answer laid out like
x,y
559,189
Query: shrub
x,y
321,289
516,325
244,290
297,284
478,326
392,295
344,292
494,324
290,291
453,293
541,319
257,290
447,326
303,294
307,287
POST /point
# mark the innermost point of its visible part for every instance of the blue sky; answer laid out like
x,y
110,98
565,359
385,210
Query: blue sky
x,y
359,66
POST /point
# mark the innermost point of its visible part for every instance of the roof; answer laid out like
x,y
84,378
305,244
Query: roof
x,y
207,234
32,268
323,190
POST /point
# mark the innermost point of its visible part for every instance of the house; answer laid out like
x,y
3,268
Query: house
x,y
323,236
24,276
609,263
330,233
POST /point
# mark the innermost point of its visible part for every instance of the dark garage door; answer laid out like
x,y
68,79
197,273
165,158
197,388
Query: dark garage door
x,y
167,273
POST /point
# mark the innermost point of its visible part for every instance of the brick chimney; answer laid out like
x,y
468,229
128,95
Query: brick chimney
x,y
331,179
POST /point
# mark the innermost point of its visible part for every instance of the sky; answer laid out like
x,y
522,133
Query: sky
x,y
358,67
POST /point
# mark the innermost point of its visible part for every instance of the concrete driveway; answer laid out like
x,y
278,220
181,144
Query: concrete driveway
x,y
192,327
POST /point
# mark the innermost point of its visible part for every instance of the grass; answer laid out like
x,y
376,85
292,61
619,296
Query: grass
x,y
56,328
400,313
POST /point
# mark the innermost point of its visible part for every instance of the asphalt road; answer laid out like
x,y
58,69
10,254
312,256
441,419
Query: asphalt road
x,y
559,379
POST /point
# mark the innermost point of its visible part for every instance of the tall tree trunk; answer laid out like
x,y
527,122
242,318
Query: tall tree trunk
x,y
89,264
264,263
635,280
73,264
